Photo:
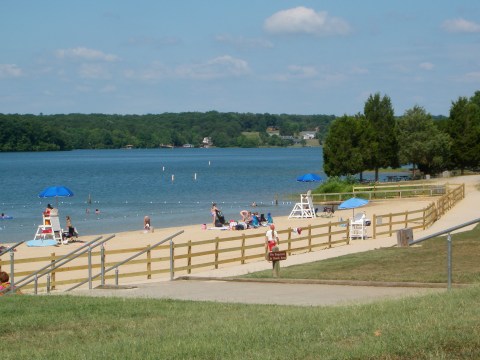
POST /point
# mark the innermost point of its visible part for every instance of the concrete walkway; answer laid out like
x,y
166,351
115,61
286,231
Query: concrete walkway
x,y
302,294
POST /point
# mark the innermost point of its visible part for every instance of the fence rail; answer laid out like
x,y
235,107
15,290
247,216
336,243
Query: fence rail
x,y
189,256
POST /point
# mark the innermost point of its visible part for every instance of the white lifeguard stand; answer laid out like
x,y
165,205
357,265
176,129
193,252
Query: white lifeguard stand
x,y
304,209
358,227
50,229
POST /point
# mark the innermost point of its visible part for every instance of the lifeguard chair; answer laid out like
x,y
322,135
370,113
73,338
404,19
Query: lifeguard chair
x,y
304,209
50,229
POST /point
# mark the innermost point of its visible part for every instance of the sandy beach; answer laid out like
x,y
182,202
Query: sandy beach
x,y
195,232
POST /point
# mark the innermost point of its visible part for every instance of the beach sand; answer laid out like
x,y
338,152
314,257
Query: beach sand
x,y
195,232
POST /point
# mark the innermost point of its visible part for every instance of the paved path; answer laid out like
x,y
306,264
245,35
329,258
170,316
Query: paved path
x,y
260,293
294,294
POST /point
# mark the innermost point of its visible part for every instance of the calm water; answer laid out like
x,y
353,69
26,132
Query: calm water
x,y
126,185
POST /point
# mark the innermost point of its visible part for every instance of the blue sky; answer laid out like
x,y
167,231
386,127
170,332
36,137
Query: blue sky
x,y
259,56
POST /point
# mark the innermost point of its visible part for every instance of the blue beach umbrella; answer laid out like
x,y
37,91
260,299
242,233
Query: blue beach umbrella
x,y
309,177
56,192
352,203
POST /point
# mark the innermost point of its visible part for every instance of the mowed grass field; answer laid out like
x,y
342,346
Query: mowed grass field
x,y
437,326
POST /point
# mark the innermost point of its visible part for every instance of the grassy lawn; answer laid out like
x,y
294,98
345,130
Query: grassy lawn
x,y
424,263
436,326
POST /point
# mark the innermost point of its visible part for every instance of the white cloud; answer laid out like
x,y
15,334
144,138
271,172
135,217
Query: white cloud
x,y
220,67
83,53
302,20
242,42
473,76
426,66
297,72
10,71
93,71
460,25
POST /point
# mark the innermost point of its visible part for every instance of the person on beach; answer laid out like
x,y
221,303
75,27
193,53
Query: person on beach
x,y
271,238
213,212
70,227
5,284
146,223
246,215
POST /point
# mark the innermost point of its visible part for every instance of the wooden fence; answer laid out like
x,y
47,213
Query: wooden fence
x,y
219,252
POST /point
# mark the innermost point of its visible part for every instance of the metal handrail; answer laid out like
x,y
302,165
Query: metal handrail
x,y
446,231
11,247
449,245
103,272
58,263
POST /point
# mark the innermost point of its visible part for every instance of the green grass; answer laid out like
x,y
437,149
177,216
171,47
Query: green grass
x,y
436,326
442,326
424,263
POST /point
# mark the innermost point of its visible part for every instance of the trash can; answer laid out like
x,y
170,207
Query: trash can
x,y
404,236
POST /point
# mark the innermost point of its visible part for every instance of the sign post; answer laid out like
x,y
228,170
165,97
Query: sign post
x,y
275,256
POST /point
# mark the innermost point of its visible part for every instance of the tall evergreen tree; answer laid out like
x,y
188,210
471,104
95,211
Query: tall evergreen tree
x,y
381,148
464,129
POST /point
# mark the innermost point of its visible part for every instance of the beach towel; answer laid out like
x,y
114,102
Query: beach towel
x,y
38,243
219,228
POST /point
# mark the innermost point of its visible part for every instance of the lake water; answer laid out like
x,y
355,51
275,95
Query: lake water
x,y
174,187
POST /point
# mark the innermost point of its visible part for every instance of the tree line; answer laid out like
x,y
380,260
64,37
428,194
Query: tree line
x,y
27,132
377,139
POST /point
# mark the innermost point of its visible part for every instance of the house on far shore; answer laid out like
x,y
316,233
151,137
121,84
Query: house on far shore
x,y
307,135
188,146
129,147
207,142
271,130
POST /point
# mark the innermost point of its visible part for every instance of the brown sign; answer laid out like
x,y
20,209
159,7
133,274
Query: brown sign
x,y
277,255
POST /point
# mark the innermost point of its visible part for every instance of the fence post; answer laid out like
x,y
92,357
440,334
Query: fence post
x,y
449,261
390,225
309,237
289,241
52,278
12,270
172,270
374,226
243,250
102,265
90,267
189,257
216,252
149,263
329,234
406,219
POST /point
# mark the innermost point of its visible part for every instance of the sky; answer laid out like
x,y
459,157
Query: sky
x,y
248,56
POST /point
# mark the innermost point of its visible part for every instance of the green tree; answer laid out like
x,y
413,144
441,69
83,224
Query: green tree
x,y
463,127
341,150
380,146
421,143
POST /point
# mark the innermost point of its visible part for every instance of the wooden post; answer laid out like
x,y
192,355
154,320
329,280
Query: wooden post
x,y
406,218
390,224
275,264
289,241
52,278
189,257
329,234
242,251
149,263
216,252
310,238
374,226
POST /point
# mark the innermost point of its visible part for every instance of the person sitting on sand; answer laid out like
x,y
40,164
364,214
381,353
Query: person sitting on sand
x,y
146,223
213,212
5,284
245,214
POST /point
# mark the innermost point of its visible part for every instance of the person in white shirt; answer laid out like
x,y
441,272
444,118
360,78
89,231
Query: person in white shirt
x,y
271,238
